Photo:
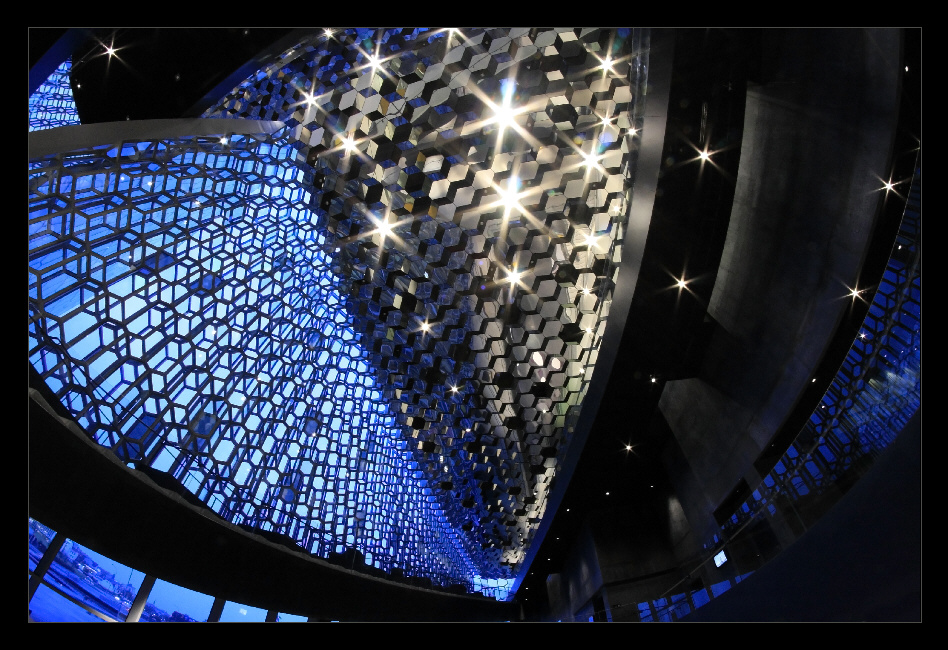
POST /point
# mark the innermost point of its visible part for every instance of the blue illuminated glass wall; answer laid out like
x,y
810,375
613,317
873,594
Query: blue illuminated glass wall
x,y
229,309
52,104
200,333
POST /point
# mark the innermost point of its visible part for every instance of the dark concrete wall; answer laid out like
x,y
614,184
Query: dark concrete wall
x,y
817,138
622,556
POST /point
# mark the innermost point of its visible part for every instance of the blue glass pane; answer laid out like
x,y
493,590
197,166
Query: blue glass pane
x,y
48,606
700,597
237,613
171,602
645,612
291,618
720,588
52,104
39,538
99,582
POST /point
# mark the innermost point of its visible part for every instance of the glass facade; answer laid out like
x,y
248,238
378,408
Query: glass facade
x,y
170,602
370,327
52,104
78,584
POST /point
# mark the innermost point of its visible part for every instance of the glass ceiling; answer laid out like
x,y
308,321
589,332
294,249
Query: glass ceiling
x,y
372,325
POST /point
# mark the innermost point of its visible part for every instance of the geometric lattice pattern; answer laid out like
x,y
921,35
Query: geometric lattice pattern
x,y
374,328
52,104
176,331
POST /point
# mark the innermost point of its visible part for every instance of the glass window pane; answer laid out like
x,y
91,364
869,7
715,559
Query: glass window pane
x,y
645,612
700,598
290,618
40,536
77,573
49,607
171,602
100,582
720,588
237,613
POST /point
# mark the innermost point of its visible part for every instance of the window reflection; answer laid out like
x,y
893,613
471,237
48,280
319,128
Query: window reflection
x,y
47,606
40,537
237,613
94,580
169,602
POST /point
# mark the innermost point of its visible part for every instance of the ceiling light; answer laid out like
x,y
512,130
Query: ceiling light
x,y
110,50
682,283
509,197
589,160
384,228
425,326
349,144
704,155
889,186
504,116
513,277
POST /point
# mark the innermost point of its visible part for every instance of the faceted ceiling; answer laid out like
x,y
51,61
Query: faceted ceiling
x,y
373,323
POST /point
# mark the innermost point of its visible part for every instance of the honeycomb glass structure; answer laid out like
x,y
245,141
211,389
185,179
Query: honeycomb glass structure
x,y
371,326
52,104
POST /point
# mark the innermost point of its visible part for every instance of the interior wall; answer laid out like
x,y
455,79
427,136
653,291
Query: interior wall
x,y
817,138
